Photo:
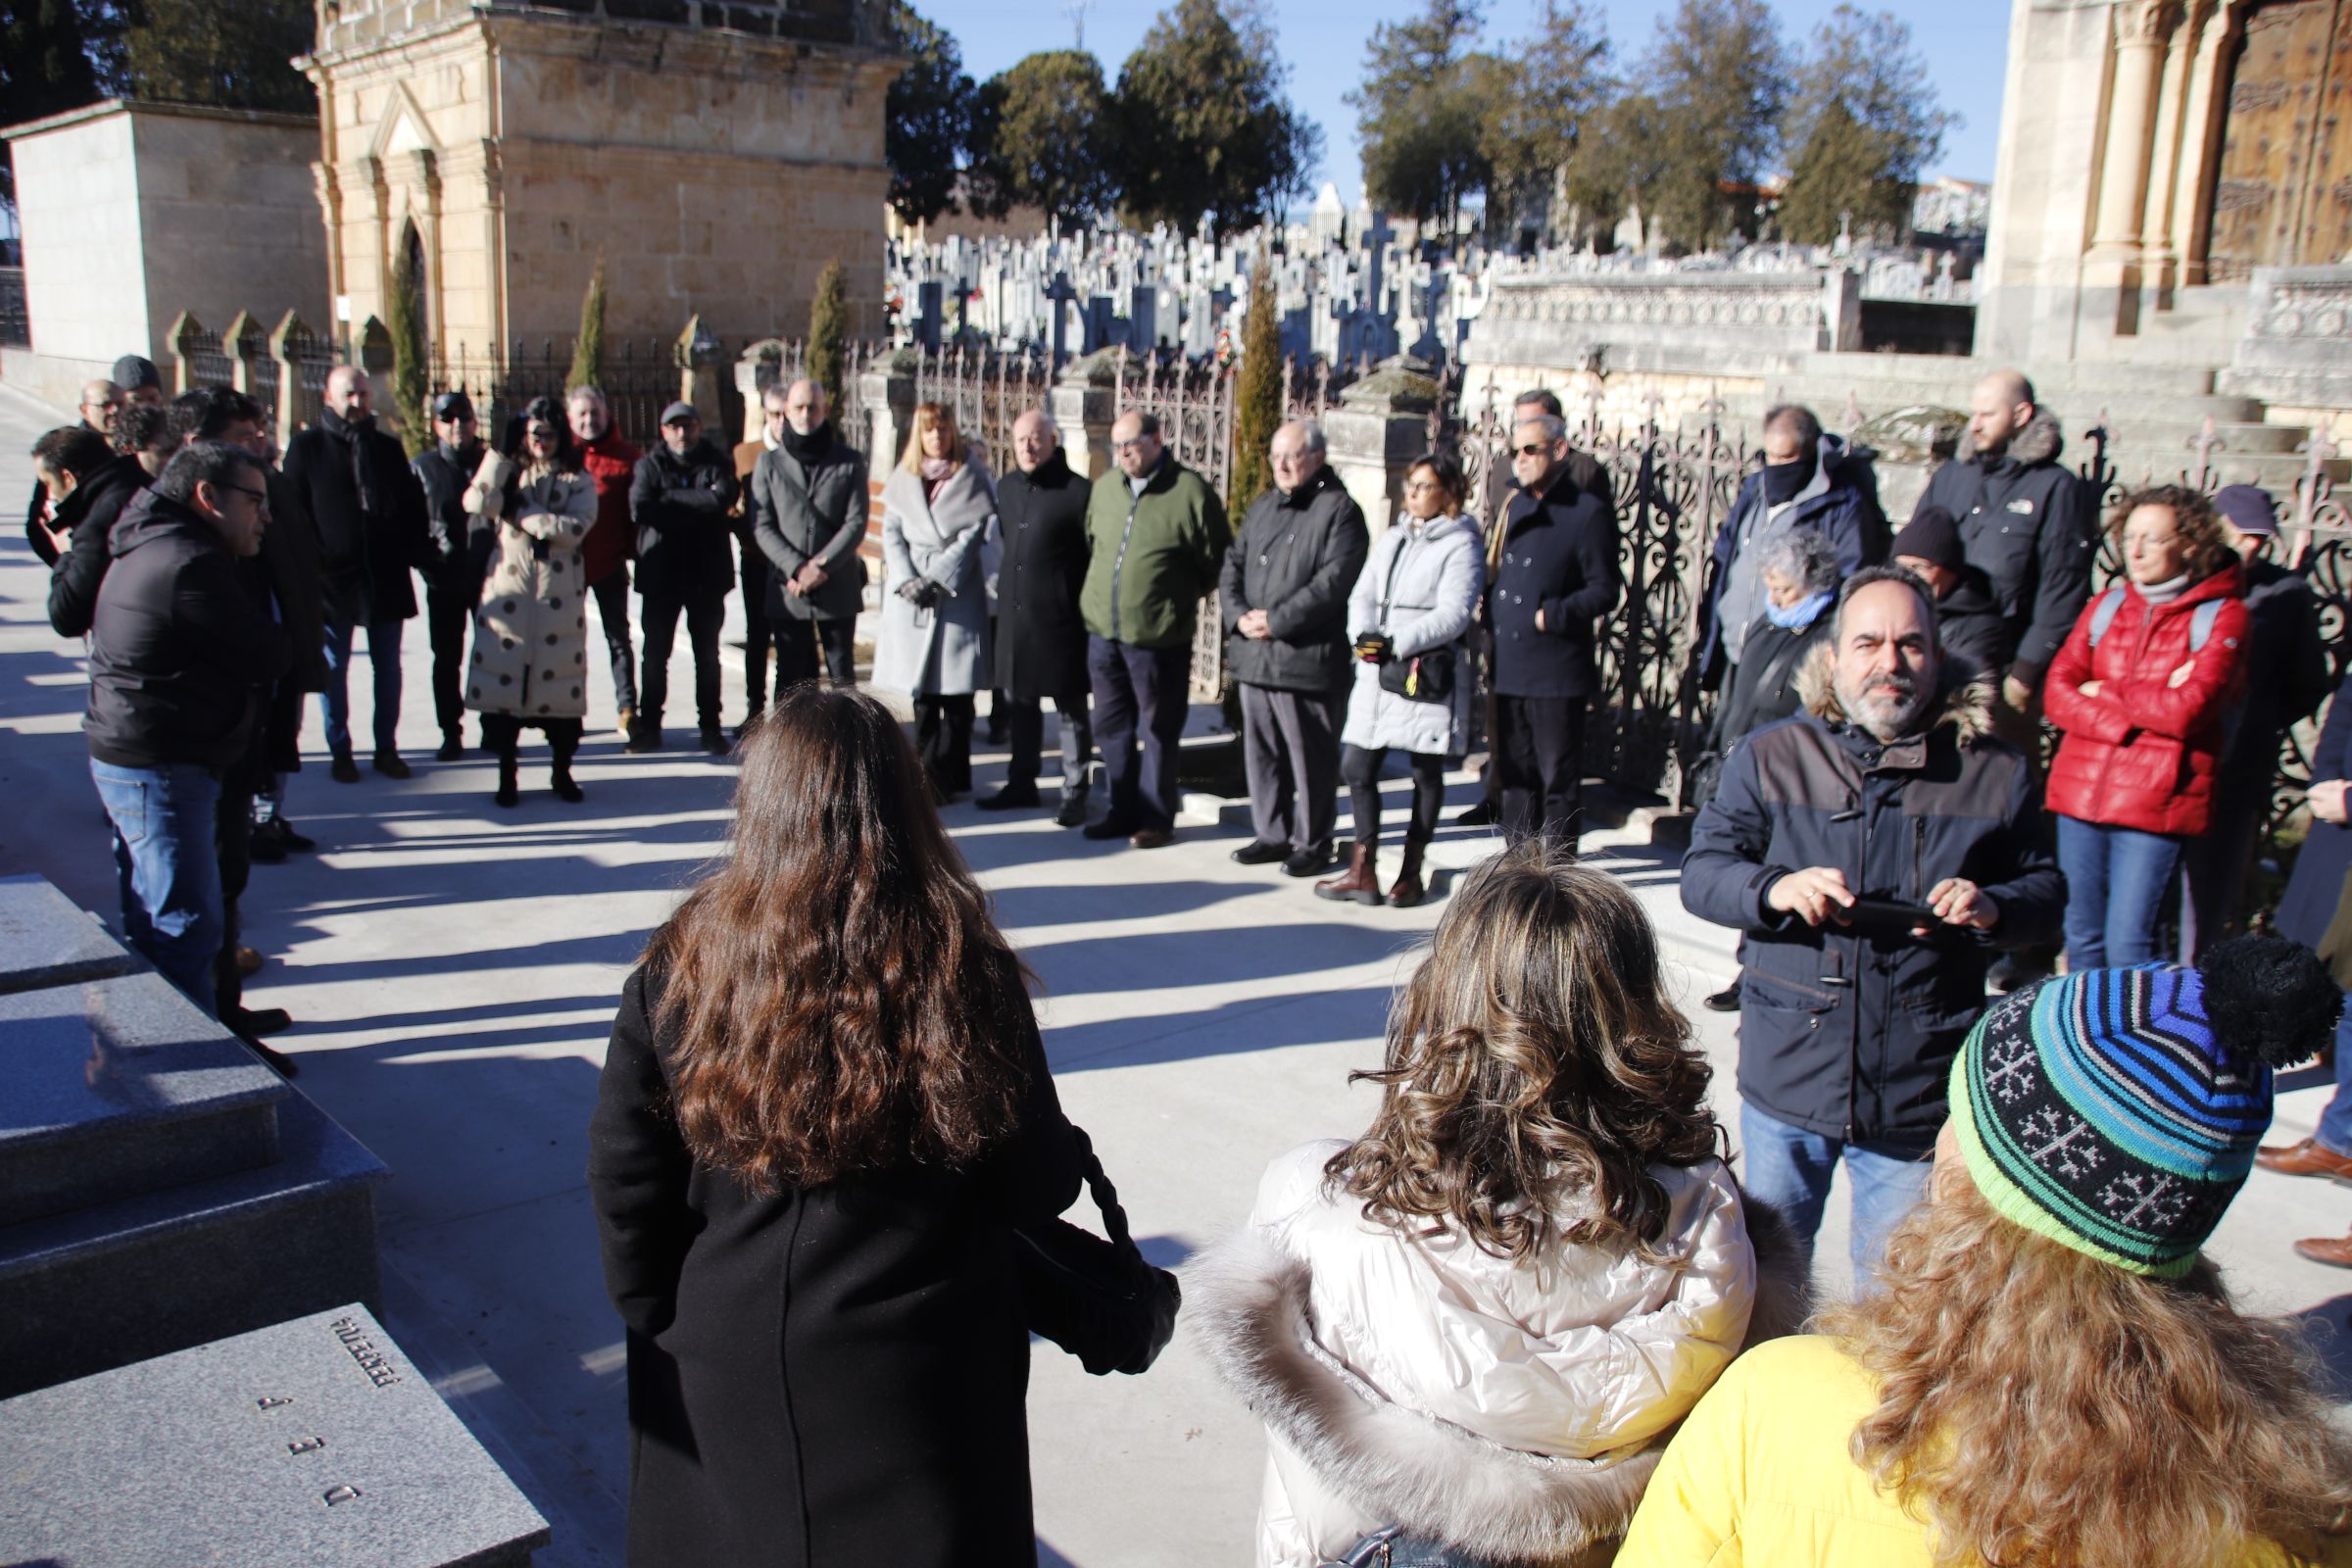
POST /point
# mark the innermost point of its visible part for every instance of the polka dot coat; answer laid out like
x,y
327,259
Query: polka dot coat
x,y
530,637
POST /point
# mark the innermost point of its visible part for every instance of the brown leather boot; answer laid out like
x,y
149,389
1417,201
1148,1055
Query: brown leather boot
x,y
1408,889
2333,1251
1360,884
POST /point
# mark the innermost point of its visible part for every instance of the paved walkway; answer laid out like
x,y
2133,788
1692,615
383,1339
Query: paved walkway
x,y
453,969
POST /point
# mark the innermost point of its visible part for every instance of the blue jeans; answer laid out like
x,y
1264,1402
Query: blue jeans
x,y
2335,1122
168,869
384,661
1391,1547
2116,878
1790,1169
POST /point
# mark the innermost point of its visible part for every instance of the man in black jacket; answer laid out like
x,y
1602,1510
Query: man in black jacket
x,y
679,499
101,401
454,578
368,510
2029,523
1872,850
1557,579
1968,622
1284,597
87,484
181,655
1041,636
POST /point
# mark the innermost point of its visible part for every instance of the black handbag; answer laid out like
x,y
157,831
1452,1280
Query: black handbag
x,y
1424,677
1098,1299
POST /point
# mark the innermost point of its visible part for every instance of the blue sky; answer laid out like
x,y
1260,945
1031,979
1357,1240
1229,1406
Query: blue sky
x,y
1965,45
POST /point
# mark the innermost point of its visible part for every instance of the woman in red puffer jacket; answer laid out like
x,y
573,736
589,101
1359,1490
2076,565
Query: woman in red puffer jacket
x,y
2143,690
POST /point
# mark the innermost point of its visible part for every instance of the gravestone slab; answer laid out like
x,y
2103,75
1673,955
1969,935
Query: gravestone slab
x,y
46,939
101,1286
311,1442
119,1087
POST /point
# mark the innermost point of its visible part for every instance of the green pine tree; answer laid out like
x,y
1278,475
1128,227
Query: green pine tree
x,y
1258,393
588,348
829,331
406,326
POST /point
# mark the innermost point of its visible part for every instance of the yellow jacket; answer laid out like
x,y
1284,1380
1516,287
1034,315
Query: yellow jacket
x,y
1761,1476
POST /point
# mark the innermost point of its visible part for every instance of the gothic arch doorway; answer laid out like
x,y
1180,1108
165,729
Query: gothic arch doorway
x,y
2285,193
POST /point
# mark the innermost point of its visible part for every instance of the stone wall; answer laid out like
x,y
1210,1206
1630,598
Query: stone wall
x,y
1694,324
2296,355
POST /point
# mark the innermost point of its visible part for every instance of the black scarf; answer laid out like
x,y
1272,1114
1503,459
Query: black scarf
x,y
810,447
1783,480
361,452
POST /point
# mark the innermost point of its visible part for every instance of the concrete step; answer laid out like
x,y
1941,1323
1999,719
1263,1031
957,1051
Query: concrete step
x,y
47,939
2055,382
121,1087
2244,438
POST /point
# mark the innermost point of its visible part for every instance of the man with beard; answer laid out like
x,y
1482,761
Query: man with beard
x,y
1874,849
809,506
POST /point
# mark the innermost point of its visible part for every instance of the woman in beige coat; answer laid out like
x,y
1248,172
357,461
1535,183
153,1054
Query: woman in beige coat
x,y
530,660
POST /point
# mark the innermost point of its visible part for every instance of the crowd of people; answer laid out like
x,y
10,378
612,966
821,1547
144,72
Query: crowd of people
x,y
1523,1317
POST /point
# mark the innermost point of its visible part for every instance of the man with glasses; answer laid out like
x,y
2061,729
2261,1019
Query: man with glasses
x,y
181,656
453,579
1557,579
1155,531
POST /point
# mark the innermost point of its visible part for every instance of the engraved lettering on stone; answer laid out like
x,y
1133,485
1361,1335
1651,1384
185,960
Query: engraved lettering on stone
x,y
272,1401
335,1495
370,1360
306,1445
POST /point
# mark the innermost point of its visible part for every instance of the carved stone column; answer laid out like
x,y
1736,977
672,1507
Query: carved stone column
x,y
2141,29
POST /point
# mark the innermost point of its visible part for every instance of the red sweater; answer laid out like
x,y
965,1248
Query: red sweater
x,y
611,461
2142,752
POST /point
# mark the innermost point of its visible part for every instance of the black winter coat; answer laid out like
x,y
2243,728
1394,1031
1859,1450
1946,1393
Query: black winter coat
x,y
1969,623
2324,862
181,656
90,513
680,507
829,1378
1846,1032
2030,525
2288,659
1041,637
1297,558
443,474
290,562
1764,683
365,555
1559,556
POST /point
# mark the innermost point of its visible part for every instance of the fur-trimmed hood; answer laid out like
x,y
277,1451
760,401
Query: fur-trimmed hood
x,y
1247,1305
1964,694
2041,441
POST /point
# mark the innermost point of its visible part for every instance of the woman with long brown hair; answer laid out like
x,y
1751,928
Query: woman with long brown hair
x,y
2051,1373
824,1105
1469,1330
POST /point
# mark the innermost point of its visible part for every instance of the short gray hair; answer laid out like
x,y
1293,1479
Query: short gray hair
x,y
1797,420
1805,556
1870,575
1310,434
586,394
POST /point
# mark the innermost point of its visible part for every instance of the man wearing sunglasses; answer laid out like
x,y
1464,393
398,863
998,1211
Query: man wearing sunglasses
x,y
181,656
1557,578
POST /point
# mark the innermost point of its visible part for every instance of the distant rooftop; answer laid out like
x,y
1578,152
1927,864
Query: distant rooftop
x,y
854,22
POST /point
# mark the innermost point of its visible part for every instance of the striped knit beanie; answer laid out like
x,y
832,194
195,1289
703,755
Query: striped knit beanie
x,y
2116,1111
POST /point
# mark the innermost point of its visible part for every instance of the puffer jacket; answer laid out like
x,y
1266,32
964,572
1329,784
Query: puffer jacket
x,y
1763,1474
1428,576
1841,502
2030,525
1845,1031
1296,557
1416,1378
2142,753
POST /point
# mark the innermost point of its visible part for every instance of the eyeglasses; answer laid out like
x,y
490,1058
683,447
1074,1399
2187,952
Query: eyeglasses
x,y
263,496
1541,449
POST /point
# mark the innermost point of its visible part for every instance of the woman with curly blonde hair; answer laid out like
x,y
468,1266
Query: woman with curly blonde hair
x,y
1469,1330
2051,1373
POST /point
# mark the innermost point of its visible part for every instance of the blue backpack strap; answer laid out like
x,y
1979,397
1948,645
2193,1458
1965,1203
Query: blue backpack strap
x,y
2102,616
2200,624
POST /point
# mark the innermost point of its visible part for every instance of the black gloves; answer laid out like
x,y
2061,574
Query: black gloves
x,y
1375,648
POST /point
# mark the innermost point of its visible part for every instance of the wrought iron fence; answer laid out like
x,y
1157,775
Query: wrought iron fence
x,y
639,377
1195,406
16,325
986,391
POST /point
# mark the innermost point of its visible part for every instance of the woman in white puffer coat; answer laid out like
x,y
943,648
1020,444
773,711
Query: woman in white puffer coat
x,y
1470,1330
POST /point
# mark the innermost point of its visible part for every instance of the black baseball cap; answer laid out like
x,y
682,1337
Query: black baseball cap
x,y
453,406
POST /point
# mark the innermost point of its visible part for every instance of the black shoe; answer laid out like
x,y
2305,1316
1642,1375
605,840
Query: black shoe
x,y
257,1020
1312,860
1010,798
1151,837
389,765
453,747
645,735
1483,815
1258,852
343,771
565,790
507,794
714,740
1107,828
277,1061
1725,1001
265,847
1073,810
299,842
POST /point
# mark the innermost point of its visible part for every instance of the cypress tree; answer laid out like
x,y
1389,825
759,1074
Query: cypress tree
x,y
588,348
829,331
1258,393
405,325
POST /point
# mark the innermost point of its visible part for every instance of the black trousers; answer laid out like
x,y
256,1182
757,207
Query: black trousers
x,y
232,841
756,635
704,617
1360,766
1540,743
1141,695
447,614
612,594
796,643
942,738
1025,727
502,733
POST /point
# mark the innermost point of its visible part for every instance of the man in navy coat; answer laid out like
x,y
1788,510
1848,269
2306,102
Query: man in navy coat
x,y
1556,580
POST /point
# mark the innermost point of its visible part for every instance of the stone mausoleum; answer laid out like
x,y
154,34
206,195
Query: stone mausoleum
x,y
716,156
